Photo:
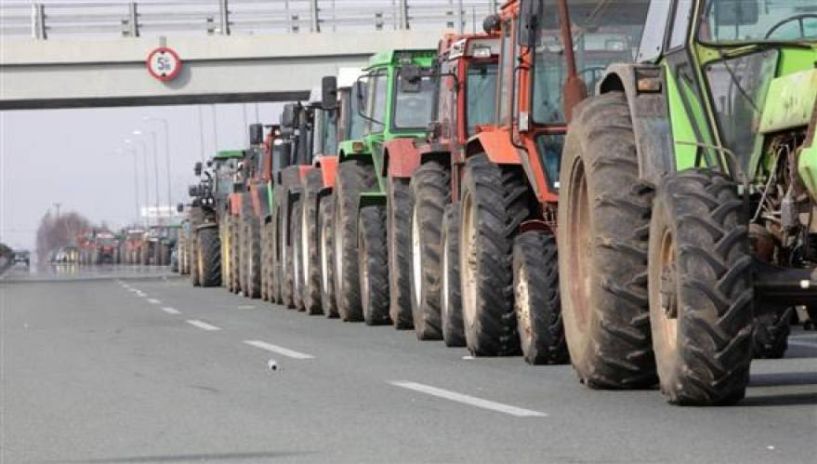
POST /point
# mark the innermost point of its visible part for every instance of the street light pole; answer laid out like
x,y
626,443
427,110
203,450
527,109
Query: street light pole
x,y
155,170
166,127
144,171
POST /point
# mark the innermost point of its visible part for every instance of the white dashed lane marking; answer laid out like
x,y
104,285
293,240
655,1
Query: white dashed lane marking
x,y
467,399
202,325
170,310
279,349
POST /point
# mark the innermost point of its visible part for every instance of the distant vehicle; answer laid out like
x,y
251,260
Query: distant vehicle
x,y
22,256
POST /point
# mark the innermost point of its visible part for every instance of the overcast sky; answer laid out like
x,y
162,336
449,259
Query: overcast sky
x,y
69,156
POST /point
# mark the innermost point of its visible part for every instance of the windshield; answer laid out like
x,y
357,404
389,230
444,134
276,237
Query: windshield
x,y
604,32
377,92
481,87
413,108
355,122
730,21
329,129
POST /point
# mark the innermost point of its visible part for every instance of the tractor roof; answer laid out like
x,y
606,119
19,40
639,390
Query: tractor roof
x,y
348,76
421,57
226,154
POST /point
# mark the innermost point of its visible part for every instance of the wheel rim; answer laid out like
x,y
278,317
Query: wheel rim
x,y
416,258
364,272
580,253
522,303
665,297
444,278
468,260
304,244
338,242
324,260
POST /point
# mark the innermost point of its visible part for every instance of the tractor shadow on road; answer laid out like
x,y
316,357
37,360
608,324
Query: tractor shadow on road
x,y
781,379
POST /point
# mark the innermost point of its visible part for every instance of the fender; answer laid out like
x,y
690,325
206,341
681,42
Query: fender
x,y
303,170
328,164
496,144
400,158
255,196
649,114
235,204
371,198
350,148
435,151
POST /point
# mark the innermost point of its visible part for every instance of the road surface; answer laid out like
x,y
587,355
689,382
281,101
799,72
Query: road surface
x,y
136,366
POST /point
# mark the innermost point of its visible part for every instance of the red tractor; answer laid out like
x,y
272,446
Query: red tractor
x,y
505,189
467,66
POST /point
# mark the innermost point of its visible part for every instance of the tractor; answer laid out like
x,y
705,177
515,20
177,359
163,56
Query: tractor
x,y
467,67
505,188
371,194
338,119
689,196
227,189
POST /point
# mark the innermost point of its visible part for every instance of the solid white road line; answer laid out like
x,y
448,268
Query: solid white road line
x,y
467,399
278,349
202,325
153,301
170,310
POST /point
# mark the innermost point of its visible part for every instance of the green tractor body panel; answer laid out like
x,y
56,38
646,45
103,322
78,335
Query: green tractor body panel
x,y
227,154
384,67
789,102
807,167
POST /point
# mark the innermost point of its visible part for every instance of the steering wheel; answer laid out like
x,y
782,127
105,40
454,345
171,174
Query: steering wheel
x,y
799,18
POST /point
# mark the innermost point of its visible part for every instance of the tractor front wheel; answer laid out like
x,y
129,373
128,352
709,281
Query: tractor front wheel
x,y
450,301
700,289
374,287
326,231
209,257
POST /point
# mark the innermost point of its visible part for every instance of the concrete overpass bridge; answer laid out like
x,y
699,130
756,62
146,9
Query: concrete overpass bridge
x,y
90,53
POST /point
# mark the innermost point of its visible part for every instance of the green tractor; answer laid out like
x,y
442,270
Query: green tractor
x,y
371,197
689,195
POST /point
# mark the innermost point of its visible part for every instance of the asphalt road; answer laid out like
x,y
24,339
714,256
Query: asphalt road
x,y
118,366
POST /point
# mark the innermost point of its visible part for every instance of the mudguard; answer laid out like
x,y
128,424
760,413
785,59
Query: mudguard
x,y
400,158
328,164
235,200
649,113
350,148
496,144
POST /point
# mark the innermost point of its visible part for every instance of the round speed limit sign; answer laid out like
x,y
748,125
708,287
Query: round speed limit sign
x,y
164,64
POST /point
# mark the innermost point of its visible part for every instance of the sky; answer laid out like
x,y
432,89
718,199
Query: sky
x,y
78,157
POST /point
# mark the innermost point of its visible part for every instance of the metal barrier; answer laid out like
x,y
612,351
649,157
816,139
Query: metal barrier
x,y
44,20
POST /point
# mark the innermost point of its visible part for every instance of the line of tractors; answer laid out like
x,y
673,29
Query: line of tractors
x,y
629,186
153,245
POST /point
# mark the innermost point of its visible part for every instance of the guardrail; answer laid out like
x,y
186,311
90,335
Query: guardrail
x,y
44,20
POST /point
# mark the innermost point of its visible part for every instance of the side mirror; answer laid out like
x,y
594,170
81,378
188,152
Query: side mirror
x,y
193,190
288,115
410,78
180,208
491,24
197,168
529,18
736,12
256,134
329,92
209,163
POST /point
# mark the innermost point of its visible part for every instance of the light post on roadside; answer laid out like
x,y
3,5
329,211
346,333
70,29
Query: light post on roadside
x,y
131,144
166,127
120,152
138,132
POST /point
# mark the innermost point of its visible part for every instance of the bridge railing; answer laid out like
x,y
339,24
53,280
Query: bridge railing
x,y
89,18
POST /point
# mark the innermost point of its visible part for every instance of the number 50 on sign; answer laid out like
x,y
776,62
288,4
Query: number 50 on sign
x,y
164,64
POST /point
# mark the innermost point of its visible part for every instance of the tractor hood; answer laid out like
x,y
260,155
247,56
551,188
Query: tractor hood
x,y
790,102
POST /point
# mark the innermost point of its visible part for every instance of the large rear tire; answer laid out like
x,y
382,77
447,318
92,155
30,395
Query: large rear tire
x,y
310,249
325,228
353,177
536,298
495,201
603,229
430,192
209,257
700,289
192,248
398,224
269,269
374,287
451,302
252,253
296,226
235,254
